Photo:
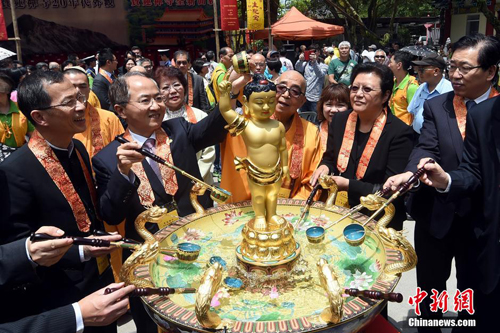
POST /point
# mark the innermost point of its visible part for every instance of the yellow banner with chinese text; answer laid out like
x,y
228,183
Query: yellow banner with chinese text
x,y
255,14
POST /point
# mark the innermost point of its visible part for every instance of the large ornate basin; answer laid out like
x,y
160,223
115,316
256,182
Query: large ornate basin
x,y
285,301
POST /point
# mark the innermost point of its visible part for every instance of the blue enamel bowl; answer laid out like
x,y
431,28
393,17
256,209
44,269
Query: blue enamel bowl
x,y
354,234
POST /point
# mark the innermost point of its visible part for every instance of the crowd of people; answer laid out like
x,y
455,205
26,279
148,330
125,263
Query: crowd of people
x,y
368,119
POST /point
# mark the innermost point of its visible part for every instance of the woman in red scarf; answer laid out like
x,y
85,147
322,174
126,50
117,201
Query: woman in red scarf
x,y
367,144
173,86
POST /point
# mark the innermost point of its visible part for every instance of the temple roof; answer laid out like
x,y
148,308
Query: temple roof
x,y
184,15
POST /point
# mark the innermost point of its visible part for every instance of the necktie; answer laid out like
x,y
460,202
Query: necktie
x,y
149,145
469,104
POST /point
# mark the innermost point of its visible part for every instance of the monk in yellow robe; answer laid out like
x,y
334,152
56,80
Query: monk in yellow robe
x,y
102,128
302,140
94,100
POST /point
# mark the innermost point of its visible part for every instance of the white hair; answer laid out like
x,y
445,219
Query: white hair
x,y
345,43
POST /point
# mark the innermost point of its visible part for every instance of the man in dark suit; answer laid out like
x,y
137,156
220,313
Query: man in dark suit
x,y
478,175
49,182
195,93
127,182
105,77
442,228
17,266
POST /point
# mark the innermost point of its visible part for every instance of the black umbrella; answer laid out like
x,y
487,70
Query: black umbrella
x,y
419,51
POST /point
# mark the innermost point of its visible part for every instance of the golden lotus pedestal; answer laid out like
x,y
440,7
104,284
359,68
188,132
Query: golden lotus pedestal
x,y
271,251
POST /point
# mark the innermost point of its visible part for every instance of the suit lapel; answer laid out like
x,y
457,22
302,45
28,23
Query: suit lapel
x,y
496,129
456,137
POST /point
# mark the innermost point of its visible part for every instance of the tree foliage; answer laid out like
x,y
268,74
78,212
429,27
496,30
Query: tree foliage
x,y
354,11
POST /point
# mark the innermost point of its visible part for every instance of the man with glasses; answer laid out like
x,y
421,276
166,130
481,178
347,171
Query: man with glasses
x,y
102,81
195,93
49,182
380,56
258,65
128,182
302,140
444,230
101,126
314,73
432,83
147,64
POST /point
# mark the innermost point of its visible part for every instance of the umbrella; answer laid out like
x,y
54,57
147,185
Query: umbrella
x,y
4,53
419,51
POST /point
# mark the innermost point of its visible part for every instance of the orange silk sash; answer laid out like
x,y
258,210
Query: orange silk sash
x,y
103,73
190,115
348,140
169,179
297,148
48,159
95,129
323,132
461,110
190,89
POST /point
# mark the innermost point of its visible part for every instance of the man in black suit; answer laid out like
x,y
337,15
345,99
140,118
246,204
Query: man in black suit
x,y
478,175
105,77
443,228
127,182
195,93
49,182
17,266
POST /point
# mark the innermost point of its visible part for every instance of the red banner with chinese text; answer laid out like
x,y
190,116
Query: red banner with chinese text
x,y
3,28
255,14
229,15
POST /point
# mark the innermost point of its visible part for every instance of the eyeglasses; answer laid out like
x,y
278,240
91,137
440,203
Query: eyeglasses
x,y
364,90
462,69
148,101
68,105
380,57
181,63
148,67
176,86
293,91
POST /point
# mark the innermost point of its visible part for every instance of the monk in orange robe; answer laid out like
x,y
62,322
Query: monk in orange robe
x,y
302,140
102,128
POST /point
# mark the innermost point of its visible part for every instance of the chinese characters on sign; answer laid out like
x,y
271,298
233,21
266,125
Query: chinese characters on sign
x,y
462,301
47,4
255,14
229,15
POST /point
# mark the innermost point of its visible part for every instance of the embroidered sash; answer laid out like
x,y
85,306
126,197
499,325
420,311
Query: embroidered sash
x,y
297,148
190,115
348,140
48,159
95,129
103,73
323,132
190,89
461,110
169,179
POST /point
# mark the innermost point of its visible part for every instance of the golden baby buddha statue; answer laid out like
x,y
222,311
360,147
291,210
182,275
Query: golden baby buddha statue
x,y
268,237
